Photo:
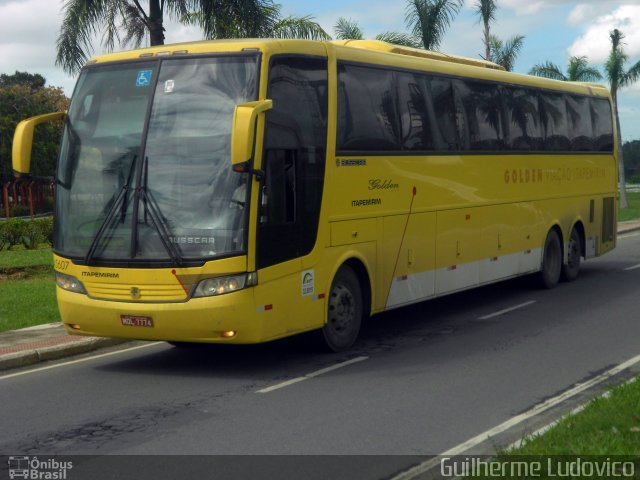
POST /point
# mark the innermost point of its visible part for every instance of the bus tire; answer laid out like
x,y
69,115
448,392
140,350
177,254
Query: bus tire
x,y
551,261
571,269
344,311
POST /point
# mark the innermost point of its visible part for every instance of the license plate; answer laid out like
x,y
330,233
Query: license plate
x,y
136,321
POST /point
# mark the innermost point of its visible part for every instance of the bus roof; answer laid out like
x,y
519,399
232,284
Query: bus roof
x,y
368,51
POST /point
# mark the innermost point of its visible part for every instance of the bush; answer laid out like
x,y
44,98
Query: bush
x,y
3,237
20,211
634,179
45,225
13,231
31,235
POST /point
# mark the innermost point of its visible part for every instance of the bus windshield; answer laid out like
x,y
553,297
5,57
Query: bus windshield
x,y
144,171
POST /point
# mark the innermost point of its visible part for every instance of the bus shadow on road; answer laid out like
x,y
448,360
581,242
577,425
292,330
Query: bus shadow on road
x,y
404,327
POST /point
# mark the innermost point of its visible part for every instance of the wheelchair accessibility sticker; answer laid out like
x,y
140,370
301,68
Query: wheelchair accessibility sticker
x,y
144,78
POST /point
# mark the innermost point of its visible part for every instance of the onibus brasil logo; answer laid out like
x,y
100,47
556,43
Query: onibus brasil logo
x,y
32,468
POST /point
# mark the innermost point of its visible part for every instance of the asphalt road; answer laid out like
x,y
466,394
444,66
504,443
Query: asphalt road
x,y
420,381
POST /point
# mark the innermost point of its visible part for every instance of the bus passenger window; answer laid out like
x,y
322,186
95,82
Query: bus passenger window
x,y
367,116
441,98
601,124
523,121
416,118
553,117
578,115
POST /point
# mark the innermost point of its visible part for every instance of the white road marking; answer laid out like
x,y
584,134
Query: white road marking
x,y
536,410
80,360
632,268
311,375
506,310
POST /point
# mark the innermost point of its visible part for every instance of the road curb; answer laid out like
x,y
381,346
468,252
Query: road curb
x,y
29,357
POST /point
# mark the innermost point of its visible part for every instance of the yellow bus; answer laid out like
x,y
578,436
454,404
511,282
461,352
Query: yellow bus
x,y
240,191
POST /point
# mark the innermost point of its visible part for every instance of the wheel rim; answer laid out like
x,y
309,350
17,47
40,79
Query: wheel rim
x,y
574,253
342,309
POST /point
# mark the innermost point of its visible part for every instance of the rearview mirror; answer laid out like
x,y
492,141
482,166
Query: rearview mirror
x,y
23,141
243,130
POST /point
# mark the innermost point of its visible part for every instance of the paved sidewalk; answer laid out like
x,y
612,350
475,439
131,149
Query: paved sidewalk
x,y
19,348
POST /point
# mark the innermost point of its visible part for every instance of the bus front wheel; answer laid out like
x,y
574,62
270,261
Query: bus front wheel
x,y
551,261
344,311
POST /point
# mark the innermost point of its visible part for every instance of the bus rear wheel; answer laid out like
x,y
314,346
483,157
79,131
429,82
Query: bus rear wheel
x,y
551,261
344,311
571,269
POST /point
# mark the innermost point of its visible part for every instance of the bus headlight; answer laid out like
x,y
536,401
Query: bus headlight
x,y
67,282
221,285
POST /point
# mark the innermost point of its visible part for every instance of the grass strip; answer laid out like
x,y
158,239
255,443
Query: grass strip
x,y
633,212
24,303
608,425
20,258
599,441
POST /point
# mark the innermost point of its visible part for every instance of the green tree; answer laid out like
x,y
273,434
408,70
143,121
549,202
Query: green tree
x,y
428,20
618,78
347,29
19,101
578,70
632,159
504,53
127,22
33,80
486,11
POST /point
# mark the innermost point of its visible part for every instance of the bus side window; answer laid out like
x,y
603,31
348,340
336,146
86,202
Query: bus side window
x,y
579,119
523,121
445,112
417,116
602,127
367,113
553,117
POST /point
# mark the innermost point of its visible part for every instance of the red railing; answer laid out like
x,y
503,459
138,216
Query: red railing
x,y
25,192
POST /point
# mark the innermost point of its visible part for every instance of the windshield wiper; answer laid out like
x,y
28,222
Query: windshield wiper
x,y
120,200
157,219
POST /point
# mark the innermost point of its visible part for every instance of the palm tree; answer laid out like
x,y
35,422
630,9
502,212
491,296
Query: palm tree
x,y
578,70
269,24
486,11
127,22
347,29
429,19
618,78
504,53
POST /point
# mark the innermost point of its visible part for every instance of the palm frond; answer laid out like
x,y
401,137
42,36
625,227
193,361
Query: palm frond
x,y
548,70
403,39
580,71
505,53
486,10
429,19
134,26
347,29
299,27
80,23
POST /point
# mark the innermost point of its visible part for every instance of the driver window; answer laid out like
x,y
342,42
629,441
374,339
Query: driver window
x,y
293,159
